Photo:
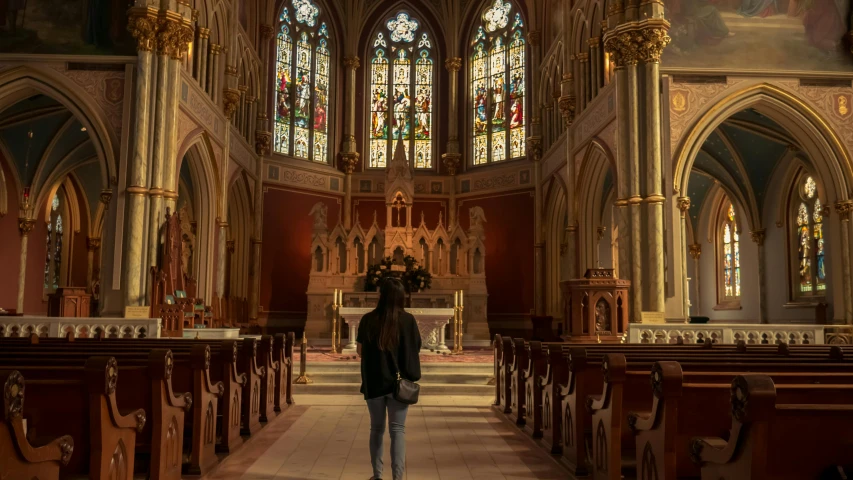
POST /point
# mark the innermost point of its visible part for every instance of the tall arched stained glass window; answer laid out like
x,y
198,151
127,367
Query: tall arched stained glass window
x,y
730,260
497,85
808,236
303,73
402,82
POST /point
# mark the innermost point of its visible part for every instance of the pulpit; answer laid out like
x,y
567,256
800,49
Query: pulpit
x,y
69,302
596,306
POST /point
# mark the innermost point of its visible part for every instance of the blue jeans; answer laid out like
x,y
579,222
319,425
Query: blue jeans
x,y
397,420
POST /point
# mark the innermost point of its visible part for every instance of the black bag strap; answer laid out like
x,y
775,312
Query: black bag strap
x,y
394,361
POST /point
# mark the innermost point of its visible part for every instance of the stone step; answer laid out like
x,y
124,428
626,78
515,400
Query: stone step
x,y
354,367
426,389
454,378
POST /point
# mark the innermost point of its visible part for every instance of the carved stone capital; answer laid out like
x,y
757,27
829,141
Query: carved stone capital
x,y
93,244
203,33
534,148
582,57
453,64
683,205
267,31
695,251
758,236
231,70
843,209
168,34
106,196
451,161
652,42
349,160
230,98
352,63
616,8
142,25
567,108
534,37
215,48
593,41
25,225
243,88
263,142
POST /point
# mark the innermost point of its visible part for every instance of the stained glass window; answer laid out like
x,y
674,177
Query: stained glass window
x,y
303,71
498,74
402,73
730,255
809,236
53,250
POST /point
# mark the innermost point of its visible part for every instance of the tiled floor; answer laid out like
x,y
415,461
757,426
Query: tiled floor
x,y
447,437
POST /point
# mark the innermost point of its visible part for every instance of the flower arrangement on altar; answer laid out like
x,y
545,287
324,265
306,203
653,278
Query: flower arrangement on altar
x,y
414,277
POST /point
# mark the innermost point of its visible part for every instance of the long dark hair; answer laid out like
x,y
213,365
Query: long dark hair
x,y
392,296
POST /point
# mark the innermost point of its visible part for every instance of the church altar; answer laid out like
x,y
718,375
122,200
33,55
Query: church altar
x,y
454,256
432,323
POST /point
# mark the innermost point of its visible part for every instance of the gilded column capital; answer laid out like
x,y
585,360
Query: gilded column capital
x,y
243,88
534,148
263,142
142,25
567,108
582,57
453,64
629,47
683,205
262,117
93,243
195,14
215,48
534,37
352,63
231,70
349,160
652,41
230,245
203,33
230,98
251,99
25,225
168,33
616,7
106,195
843,209
695,250
267,31
758,236
452,161
600,230
593,41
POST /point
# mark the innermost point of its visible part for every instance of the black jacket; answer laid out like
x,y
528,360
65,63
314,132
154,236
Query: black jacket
x,y
378,376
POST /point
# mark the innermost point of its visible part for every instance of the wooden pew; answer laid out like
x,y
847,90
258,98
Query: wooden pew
x,y
662,435
533,375
497,344
21,459
283,353
272,370
506,374
104,437
251,412
772,440
516,381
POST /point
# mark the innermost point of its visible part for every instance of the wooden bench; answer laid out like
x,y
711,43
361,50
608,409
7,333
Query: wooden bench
x,y
20,458
774,440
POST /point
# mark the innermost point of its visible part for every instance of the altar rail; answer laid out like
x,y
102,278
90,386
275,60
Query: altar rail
x,y
731,333
81,327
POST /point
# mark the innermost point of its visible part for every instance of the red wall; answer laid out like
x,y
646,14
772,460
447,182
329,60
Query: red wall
x,y
366,206
286,249
509,249
10,243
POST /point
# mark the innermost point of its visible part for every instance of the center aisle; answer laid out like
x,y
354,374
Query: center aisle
x,y
447,437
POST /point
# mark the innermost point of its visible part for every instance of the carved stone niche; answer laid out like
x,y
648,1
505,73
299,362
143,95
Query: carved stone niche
x,y
596,306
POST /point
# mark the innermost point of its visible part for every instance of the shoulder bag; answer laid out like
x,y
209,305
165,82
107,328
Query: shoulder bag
x,y
405,391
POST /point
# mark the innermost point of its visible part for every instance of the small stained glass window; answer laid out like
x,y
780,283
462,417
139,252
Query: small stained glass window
x,y
730,255
809,238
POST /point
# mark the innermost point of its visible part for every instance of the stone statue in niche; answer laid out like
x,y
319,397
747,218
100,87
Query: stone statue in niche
x,y
478,218
602,316
320,211
188,239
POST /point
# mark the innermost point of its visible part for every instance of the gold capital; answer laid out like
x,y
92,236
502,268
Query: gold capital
x,y
25,225
652,42
695,251
567,109
534,148
683,205
263,141
230,98
451,162
758,236
142,24
352,63
533,37
843,209
453,64
267,31
349,160
93,243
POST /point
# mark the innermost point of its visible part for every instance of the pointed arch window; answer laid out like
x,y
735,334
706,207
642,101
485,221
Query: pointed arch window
x,y
808,235
55,243
402,85
498,78
303,72
729,261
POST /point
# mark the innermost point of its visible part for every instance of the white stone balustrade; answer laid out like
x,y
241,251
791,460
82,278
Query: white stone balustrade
x,y
58,327
431,323
728,333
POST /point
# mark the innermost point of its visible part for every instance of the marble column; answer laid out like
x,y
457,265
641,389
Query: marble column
x,y
583,61
594,65
351,66
202,55
696,252
212,74
156,212
758,238
221,258
684,207
170,160
240,120
566,103
452,160
635,199
142,25
92,244
25,226
349,161
263,144
534,154
844,208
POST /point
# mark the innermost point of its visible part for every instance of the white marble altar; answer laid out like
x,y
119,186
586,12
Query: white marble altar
x,y
432,323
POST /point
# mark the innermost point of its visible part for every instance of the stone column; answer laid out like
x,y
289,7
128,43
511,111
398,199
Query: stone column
x,y
349,161
635,199
202,55
240,120
451,166
844,208
25,226
263,143
594,65
534,154
452,160
695,253
212,74
351,65
567,111
758,238
92,244
650,50
221,255
142,23
583,63
170,173
684,207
